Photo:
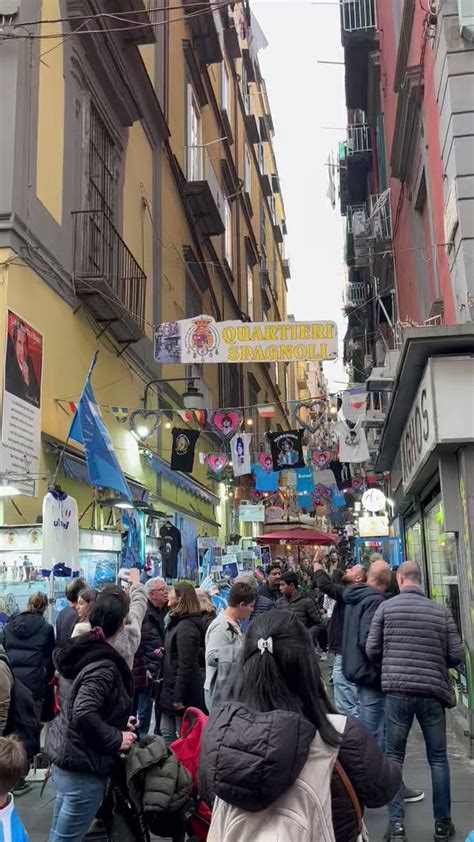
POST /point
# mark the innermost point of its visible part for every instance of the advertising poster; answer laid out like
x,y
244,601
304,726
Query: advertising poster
x,y
21,413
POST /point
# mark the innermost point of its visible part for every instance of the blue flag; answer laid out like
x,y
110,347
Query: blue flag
x,y
88,429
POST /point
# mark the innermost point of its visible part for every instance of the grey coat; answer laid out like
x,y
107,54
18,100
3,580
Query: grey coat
x,y
416,642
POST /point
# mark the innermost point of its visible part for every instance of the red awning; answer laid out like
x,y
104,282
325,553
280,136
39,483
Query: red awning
x,y
299,535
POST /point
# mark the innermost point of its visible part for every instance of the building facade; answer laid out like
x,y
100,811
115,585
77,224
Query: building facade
x,y
138,185
406,192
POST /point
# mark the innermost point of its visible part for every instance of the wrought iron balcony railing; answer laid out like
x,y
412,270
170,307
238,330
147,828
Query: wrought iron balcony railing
x,y
358,138
107,276
358,15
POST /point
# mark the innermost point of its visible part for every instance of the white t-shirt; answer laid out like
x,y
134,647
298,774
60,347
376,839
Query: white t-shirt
x,y
352,442
60,531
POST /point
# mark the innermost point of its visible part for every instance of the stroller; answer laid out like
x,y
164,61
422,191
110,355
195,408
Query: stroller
x,y
187,748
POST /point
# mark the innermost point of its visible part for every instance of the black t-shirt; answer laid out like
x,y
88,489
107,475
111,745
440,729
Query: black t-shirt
x,y
170,547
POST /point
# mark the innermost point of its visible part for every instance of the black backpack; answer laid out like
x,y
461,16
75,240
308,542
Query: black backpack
x,y
22,720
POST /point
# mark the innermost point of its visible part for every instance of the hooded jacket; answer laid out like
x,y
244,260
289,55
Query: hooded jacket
x,y
416,641
259,764
156,781
95,695
29,643
182,676
361,602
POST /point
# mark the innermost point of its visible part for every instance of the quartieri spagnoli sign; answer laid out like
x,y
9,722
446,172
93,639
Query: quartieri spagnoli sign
x,y
203,340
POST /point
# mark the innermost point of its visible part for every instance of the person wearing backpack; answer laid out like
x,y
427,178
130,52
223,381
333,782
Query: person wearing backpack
x,y
269,756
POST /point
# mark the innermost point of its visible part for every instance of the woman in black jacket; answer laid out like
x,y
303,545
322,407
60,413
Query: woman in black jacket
x,y
279,674
95,695
29,643
182,678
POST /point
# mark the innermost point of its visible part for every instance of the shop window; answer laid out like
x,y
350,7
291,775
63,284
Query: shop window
x,y
442,560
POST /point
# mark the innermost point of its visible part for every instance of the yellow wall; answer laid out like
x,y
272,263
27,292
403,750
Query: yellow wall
x,y
50,150
137,220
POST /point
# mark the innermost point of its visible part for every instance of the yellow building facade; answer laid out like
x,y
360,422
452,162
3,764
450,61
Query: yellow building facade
x,y
138,186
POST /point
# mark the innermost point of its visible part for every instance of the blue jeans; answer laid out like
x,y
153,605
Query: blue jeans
x,y
170,727
346,694
78,797
144,707
431,715
372,713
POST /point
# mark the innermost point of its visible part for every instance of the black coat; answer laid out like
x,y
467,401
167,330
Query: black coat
x,y
303,607
182,677
65,622
416,641
95,696
29,643
274,595
361,603
278,745
326,585
153,637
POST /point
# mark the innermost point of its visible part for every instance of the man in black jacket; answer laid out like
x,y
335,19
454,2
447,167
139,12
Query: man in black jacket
x,y
345,693
416,642
147,664
361,603
303,607
67,618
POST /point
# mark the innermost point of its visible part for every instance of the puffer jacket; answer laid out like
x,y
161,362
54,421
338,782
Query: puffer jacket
x,y
182,676
416,642
303,607
29,643
95,696
157,782
153,637
282,749
361,603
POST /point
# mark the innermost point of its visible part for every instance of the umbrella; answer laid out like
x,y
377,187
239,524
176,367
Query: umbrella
x,y
300,536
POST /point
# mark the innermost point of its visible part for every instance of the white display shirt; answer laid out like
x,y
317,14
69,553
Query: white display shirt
x,y
60,531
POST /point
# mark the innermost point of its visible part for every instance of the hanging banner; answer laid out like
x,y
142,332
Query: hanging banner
x,y
203,340
252,514
21,415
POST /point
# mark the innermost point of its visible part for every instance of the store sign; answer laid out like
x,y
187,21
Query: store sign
x,y
252,514
419,435
374,500
376,526
203,340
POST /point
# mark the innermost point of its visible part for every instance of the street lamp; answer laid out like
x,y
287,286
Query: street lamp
x,y
192,397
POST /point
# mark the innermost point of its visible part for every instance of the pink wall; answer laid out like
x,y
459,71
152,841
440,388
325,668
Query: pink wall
x,y
410,302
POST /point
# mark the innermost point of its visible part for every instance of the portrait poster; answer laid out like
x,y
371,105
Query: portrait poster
x,y
287,449
21,409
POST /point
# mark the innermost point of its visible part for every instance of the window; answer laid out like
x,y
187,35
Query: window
x,y
228,233
101,166
250,307
277,375
247,171
263,229
261,157
193,138
245,90
274,270
272,204
225,89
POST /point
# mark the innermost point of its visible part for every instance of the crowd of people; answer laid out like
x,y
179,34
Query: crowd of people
x,y
279,759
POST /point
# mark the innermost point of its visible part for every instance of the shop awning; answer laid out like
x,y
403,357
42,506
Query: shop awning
x,y
299,536
181,480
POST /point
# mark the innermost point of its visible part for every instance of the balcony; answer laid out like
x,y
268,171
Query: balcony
x,y
376,410
205,23
107,278
358,139
286,269
203,193
355,295
358,17
265,284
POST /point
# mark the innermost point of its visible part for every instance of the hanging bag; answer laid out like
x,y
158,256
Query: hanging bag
x,y
363,832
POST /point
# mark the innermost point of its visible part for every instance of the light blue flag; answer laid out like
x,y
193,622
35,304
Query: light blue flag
x,y
88,429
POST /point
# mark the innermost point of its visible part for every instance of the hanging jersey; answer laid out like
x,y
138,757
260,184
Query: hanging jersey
x,y
60,531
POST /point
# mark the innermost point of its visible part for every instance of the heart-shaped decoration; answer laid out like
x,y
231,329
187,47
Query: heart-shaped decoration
x,y
317,410
217,462
226,422
143,423
321,458
323,492
265,461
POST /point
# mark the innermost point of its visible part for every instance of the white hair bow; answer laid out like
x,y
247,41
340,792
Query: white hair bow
x,y
265,645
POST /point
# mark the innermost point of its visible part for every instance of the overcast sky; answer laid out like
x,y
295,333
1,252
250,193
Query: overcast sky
x,y
304,97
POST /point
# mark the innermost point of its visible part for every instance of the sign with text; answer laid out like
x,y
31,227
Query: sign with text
x,y
203,340
251,514
21,412
419,435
